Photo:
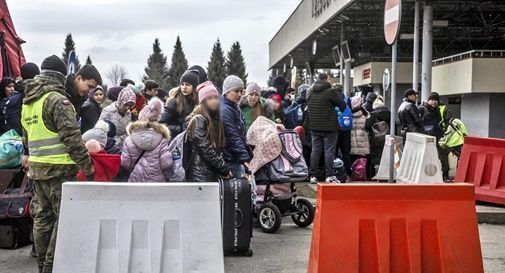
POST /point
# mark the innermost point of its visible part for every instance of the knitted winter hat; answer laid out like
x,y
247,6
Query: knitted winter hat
x,y
54,63
434,96
252,88
232,82
93,146
137,88
98,133
152,111
191,78
276,97
113,92
202,75
379,102
29,71
205,90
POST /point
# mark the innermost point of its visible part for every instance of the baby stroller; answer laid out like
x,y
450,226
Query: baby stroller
x,y
273,186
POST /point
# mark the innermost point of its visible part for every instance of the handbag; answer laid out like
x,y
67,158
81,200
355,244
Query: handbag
x,y
15,202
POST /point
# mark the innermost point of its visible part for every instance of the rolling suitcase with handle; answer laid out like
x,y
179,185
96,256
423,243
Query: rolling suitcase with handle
x,y
236,216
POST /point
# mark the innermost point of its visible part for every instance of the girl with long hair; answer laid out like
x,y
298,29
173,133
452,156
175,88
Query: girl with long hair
x,y
254,106
181,103
205,138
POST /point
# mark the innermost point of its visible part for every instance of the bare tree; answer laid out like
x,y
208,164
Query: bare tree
x,y
116,73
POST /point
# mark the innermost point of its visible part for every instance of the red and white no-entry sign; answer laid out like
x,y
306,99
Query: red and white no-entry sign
x,y
392,16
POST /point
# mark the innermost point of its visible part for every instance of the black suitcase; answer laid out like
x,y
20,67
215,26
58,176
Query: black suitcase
x,y
15,222
236,216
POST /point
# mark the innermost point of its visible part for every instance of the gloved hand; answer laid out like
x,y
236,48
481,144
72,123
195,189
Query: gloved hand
x,y
90,178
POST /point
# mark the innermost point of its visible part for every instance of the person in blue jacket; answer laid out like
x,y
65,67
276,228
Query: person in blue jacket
x,y
236,153
11,103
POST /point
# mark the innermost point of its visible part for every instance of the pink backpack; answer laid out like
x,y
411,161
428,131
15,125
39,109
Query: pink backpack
x,y
359,170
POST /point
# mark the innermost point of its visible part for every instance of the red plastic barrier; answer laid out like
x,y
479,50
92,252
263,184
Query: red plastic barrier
x,y
402,228
482,163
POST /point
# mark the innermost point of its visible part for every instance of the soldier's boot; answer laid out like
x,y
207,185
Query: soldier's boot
x,y
48,269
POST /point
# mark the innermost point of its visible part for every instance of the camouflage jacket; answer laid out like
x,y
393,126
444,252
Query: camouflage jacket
x,y
59,116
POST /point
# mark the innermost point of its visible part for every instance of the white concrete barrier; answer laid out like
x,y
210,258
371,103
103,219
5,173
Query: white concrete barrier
x,y
383,171
420,163
139,227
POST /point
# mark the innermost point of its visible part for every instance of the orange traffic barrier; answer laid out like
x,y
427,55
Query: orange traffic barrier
x,y
396,228
482,163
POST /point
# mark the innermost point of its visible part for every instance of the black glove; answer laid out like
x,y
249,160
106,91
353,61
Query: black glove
x,y
90,178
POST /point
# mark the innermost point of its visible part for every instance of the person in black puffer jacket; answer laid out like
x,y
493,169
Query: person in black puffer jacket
x,y
323,124
236,151
409,115
11,103
379,113
91,109
180,105
205,137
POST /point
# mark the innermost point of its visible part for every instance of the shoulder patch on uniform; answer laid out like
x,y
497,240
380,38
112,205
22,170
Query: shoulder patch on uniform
x,y
66,102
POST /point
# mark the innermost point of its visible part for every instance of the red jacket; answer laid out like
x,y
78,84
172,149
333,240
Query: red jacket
x,y
106,167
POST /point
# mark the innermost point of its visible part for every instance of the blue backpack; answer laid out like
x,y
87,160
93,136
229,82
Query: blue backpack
x,y
345,117
294,116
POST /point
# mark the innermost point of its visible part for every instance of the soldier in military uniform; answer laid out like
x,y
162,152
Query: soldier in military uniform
x,y
56,152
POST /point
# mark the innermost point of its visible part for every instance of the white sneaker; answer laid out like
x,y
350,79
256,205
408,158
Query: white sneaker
x,y
332,179
313,180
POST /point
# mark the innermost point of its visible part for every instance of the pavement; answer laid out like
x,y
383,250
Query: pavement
x,y
284,252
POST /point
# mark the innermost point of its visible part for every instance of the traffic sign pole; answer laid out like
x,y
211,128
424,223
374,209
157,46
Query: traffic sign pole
x,y
392,19
393,114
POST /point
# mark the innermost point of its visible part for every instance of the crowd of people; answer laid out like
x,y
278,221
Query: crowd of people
x,y
74,128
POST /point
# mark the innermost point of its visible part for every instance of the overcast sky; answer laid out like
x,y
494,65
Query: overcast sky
x,y
116,31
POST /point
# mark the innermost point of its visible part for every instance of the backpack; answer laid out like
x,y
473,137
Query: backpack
x,y
294,116
359,170
176,172
379,131
345,117
290,165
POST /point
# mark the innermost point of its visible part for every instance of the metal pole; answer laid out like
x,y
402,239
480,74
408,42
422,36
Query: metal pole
x,y
393,114
341,56
427,50
347,83
415,59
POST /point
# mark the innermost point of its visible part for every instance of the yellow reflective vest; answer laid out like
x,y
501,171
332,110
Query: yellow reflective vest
x,y
44,146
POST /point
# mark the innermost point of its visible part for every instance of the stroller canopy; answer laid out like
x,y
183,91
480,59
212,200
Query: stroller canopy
x,y
11,57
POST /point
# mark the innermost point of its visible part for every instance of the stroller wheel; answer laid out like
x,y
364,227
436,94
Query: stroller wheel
x,y
304,213
269,217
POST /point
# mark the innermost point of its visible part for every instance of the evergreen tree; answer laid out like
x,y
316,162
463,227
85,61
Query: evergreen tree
x,y
216,69
69,46
157,69
235,64
179,64
88,60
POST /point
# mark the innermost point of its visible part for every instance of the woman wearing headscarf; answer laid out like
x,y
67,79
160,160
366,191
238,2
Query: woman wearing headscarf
x,y
11,103
91,109
119,113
